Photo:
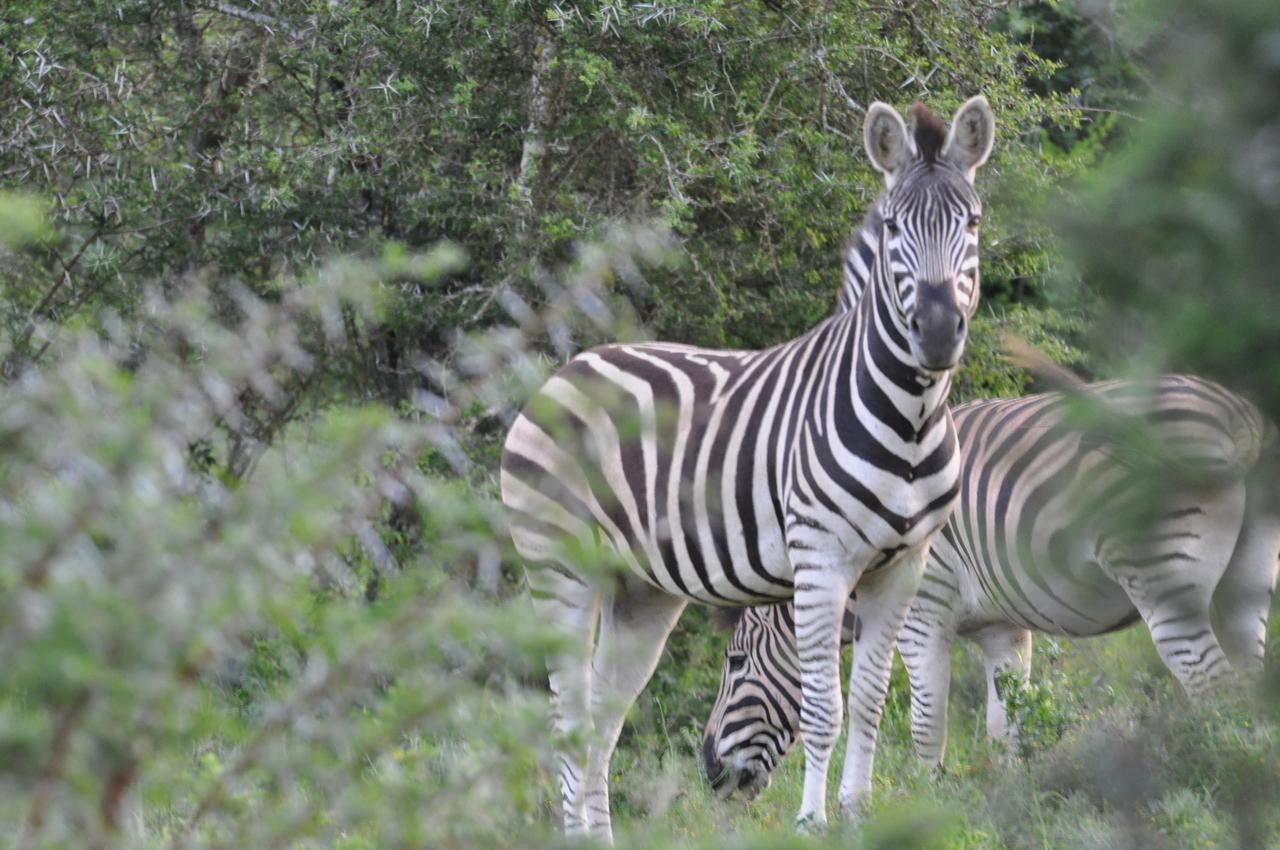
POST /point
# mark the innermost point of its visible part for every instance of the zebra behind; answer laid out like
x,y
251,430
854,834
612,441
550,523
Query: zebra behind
x,y
1041,541
733,478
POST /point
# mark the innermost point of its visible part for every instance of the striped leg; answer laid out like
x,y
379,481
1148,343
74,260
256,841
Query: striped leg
x,y
925,647
634,627
575,606
1170,577
883,600
1006,648
820,600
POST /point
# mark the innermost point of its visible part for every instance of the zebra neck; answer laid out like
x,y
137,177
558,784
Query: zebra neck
x,y
860,254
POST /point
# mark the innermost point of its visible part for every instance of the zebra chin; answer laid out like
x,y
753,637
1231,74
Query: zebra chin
x,y
937,361
748,777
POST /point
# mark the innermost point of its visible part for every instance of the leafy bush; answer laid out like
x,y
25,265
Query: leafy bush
x,y
188,658
1040,709
1176,230
251,142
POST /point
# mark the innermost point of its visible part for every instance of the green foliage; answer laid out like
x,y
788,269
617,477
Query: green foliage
x,y
1095,58
1177,230
251,142
22,220
985,372
1035,708
188,660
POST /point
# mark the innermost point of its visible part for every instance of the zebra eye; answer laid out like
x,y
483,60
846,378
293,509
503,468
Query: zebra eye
x,y
736,662
891,225
974,221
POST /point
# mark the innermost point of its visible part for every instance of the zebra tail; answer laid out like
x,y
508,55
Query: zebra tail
x,y
1026,356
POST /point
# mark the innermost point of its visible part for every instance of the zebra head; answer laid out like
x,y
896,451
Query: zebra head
x,y
756,717
929,216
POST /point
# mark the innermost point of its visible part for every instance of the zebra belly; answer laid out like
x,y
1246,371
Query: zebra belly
x,y
1064,592
571,497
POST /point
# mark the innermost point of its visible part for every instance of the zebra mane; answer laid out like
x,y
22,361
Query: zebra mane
x,y
726,619
930,132
857,255
870,221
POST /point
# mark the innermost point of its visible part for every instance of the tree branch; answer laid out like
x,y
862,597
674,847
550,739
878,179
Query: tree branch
x,y
60,748
261,19
534,146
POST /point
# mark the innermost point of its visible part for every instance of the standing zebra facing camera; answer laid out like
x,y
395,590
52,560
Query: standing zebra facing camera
x,y
1043,540
734,478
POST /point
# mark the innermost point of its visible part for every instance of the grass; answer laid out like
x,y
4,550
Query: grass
x,y
1136,765
1121,760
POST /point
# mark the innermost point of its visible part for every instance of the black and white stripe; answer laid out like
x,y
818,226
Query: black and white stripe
x,y
1043,539
734,478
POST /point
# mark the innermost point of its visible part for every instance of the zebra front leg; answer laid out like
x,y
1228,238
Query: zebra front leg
x,y
883,599
1006,652
634,626
925,647
820,599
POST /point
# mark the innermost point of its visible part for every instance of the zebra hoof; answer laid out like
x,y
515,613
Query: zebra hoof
x,y
812,824
853,808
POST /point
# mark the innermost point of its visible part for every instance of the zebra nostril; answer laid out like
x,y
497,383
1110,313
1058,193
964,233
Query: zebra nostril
x,y
960,325
915,326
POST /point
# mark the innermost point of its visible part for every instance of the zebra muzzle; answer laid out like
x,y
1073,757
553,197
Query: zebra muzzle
x,y
937,329
752,781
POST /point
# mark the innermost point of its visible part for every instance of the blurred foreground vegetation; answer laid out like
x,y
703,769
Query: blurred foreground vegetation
x,y
275,275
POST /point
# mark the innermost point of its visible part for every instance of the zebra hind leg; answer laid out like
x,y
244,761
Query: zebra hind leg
x,y
1170,574
1006,651
925,647
634,626
558,598
1243,598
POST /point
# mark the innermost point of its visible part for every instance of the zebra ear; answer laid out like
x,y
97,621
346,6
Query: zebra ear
x,y
888,143
973,132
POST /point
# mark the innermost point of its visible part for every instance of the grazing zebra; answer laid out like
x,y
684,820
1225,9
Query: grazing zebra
x,y
1042,540
734,478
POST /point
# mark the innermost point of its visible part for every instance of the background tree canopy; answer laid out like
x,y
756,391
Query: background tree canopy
x,y
274,275
251,142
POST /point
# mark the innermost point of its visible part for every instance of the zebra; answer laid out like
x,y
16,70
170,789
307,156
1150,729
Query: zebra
x,y
1041,541
733,478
